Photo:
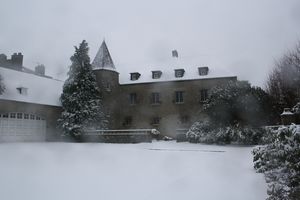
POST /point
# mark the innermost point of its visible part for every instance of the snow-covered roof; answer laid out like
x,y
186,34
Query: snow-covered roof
x,y
190,67
30,88
287,111
103,59
168,68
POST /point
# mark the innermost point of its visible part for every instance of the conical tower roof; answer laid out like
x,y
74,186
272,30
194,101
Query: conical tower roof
x,y
103,59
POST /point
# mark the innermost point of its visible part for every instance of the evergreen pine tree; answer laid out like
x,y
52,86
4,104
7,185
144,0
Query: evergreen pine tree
x,y
80,99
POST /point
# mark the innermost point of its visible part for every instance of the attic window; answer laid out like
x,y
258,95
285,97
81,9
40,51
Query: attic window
x,y
179,73
203,71
22,90
134,76
156,74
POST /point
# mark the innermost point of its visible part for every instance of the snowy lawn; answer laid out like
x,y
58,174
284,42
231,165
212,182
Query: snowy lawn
x,y
152,171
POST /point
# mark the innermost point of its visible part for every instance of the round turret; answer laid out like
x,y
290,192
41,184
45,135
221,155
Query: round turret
x,y
107,80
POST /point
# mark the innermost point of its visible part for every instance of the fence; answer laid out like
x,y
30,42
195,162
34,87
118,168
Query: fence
x,y
121,136
181,135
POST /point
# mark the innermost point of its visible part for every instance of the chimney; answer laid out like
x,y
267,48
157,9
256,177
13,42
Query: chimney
x,y
40,70
174,54
17,60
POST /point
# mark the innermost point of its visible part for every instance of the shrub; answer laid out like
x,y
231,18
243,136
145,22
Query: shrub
x,y
205,132
280,162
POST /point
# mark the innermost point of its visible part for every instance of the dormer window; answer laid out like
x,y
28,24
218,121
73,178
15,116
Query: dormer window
x,y
156,74
134,76
22,90
179,73
203,71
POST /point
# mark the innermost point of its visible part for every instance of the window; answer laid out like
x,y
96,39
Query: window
x,y
5,115
179,97
155,98
175,54
26,116
184,119
179,73
203,95
156,74
19,115
155,121
32,116
38,118
12,115
134,76
22,90
132,98
127,121
108,87
203,71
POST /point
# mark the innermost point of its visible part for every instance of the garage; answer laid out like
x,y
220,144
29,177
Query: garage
x,y
22,127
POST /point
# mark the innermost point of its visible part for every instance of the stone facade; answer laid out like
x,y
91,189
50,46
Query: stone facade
x,y
290,116
154,105
166,105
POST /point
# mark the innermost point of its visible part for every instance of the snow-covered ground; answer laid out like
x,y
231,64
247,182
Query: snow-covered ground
x,y
154,171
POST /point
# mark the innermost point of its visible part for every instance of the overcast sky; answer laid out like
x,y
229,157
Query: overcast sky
x,y
242,36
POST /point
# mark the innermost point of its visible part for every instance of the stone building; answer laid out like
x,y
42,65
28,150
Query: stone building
x,y
167,99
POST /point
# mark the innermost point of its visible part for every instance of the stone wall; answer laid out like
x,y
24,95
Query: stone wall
x,y
172,115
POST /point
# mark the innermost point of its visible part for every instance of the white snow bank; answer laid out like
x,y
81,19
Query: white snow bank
x,y
159,170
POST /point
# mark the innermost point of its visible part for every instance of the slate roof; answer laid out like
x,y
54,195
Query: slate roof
x,y
103,59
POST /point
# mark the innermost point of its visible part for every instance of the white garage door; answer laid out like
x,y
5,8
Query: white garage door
x,y
22,127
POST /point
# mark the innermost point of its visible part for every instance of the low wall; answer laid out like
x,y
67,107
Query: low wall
x,y
120,136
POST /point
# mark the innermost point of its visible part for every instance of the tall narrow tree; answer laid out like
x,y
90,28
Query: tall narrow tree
x,y
80,99
2,87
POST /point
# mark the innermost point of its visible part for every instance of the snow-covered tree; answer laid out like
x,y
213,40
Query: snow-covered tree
x,y
238,103
235,113
81,102
2,87
280,162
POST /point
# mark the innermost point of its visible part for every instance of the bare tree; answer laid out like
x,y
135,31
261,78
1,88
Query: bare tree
x,y
284,81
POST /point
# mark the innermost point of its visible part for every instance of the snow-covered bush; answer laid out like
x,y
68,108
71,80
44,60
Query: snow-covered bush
x,y
205,132
280,162
235,113
296,108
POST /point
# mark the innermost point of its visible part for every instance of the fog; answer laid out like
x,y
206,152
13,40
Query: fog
x,y
244,37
